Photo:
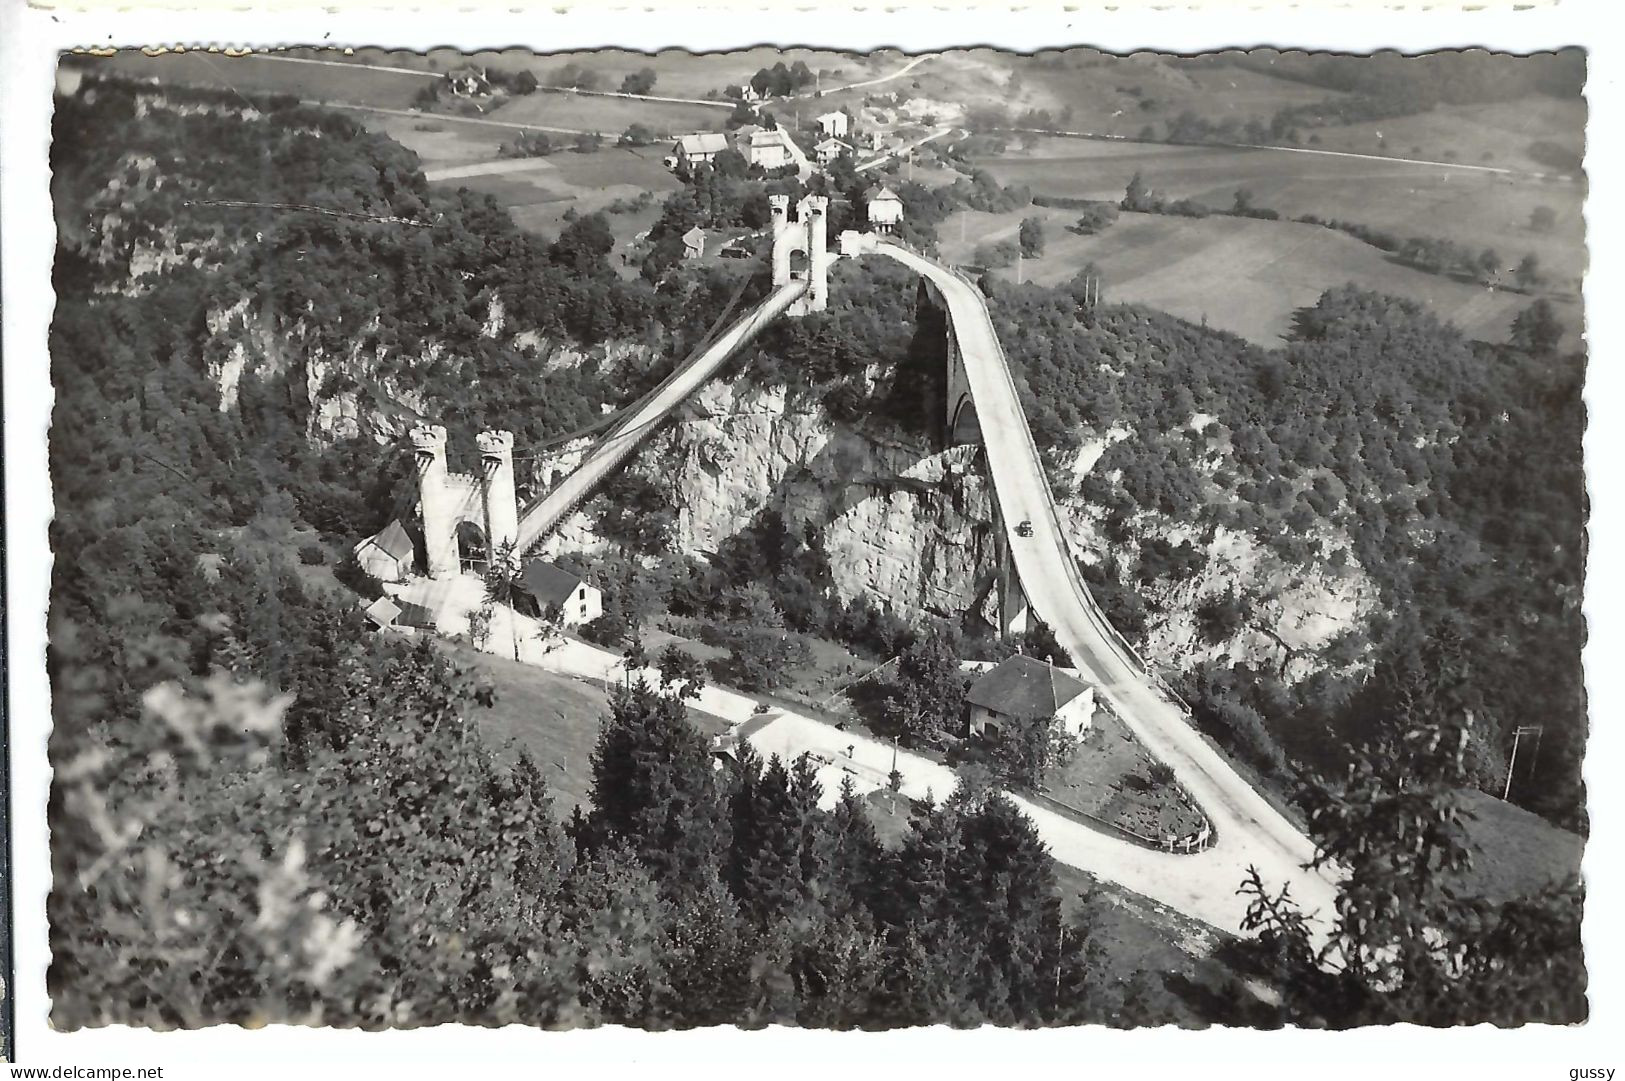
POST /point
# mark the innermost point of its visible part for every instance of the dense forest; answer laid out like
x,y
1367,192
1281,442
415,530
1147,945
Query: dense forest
x,y
261,812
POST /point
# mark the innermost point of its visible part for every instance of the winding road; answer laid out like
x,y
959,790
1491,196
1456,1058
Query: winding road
x,y
1250,831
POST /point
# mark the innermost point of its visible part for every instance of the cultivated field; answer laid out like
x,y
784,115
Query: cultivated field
x,y
1236,274
1477,209
611,116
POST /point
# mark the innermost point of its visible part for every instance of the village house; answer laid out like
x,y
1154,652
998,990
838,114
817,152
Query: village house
x,y
700,148
885,208
694,243
830,149
834,124
388,556
1024,690
768,149
544,586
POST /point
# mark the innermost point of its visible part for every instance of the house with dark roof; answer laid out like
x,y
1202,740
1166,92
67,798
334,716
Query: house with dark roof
x,y
389,555
544,586
1024,690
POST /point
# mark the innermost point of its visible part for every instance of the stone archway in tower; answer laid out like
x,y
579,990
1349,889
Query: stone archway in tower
x,y
473,551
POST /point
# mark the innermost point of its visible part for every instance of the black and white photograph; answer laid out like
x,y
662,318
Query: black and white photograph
x,y
796,536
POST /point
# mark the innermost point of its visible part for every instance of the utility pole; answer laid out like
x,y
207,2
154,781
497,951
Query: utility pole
x,y
1512,760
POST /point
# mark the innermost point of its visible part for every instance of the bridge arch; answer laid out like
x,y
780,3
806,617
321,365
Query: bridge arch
x,y
964,426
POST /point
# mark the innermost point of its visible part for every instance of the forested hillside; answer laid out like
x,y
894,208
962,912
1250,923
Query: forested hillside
x,y
263,813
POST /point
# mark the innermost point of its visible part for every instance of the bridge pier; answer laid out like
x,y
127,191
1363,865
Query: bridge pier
x,y
446,500
435,502
960,422
501,495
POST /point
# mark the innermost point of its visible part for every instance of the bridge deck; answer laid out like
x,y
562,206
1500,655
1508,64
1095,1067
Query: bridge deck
x,y
544,514
1250,831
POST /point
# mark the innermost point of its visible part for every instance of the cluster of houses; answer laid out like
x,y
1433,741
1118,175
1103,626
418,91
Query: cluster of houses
x,y
540,588
767,147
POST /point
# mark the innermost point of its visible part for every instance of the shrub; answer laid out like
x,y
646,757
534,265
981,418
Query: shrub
x,y
312,554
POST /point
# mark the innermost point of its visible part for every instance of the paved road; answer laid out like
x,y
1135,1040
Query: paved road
x,y
1250,831
1201,886
921,141
608,453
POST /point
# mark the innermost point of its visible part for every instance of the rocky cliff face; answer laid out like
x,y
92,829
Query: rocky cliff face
x,y
912,527
906,524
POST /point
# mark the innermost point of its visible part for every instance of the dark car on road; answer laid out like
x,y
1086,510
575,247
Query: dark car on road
x,y
1025,529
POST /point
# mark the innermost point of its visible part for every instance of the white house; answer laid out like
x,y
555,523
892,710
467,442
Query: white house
x,y
388,555
1025,690
830,149
885,208
834,124
698,149
544,586
694,243
768,149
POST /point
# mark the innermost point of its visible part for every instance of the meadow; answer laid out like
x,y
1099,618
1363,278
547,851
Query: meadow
x,y
254,75
1481,210
1240,275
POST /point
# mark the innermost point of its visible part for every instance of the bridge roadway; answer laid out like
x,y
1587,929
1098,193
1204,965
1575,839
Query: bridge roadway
x,y
647,415
1250,831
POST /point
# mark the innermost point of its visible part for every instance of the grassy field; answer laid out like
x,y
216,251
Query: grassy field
x,y
1241,275
1476,209
249,75
553,717
1109,777
1497,133
611,116
1120,95
1514,852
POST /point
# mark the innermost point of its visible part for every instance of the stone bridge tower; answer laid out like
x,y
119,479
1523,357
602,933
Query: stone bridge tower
x,y
446,500
807,237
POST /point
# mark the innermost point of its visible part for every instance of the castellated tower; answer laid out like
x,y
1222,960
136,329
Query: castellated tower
x,y
780,205
501,503
435,500
808,234
815,217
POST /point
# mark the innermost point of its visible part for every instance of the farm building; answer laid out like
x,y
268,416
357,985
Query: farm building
x,y
545,586
389,555
885,208
1025,690
768,149
830,149
694,243
698,149
834,124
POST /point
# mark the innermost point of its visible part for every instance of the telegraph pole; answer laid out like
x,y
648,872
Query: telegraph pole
x,y
1512,760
